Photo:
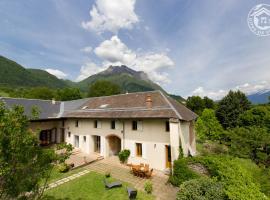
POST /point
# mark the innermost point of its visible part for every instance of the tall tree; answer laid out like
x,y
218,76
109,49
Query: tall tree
x,y
23,163
230,107
198,104
259,116
103,88
207,126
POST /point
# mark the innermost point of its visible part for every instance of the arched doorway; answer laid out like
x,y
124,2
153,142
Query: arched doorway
x,y
114,145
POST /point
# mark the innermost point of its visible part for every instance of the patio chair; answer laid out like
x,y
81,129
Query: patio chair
x,y
149,173
112,185
132,193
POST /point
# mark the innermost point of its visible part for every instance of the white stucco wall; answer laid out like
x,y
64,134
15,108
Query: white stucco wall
x,y
153,137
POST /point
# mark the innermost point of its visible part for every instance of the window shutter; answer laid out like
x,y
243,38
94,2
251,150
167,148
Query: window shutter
x,y
98,124
144,152
119,125
140,125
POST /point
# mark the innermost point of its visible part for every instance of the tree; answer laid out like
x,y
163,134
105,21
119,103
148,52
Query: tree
x,y
230,107
68,94
251,142
207,126
23,163
103,88
256,116
39,93
196,104
209,103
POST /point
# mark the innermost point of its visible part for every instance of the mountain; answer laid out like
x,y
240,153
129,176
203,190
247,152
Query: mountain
x,y
128,79
14,75
260,97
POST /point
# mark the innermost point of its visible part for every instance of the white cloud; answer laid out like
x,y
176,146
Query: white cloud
x,y
247,88
87,49
57,73
109,15
87,70
115,52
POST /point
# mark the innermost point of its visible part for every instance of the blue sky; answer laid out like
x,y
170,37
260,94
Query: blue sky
x,y
189,47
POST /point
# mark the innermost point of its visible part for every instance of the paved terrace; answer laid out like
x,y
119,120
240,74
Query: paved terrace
x,y
161,189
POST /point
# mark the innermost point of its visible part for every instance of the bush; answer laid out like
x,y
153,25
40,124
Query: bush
x,y
200,189
237,180
148,187
181,172
63,167
123,155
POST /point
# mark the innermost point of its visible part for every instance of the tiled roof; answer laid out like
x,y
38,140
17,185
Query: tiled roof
x,y
131,105
46,107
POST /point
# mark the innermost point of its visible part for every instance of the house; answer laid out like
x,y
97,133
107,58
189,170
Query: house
x,y
150,124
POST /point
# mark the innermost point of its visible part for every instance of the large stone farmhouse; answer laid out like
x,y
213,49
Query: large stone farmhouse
x,y
151,125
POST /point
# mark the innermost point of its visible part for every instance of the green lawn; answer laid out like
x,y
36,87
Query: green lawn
x,y
90,187
56,175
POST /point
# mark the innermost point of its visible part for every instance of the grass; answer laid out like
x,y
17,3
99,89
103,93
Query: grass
x,y
90,187
56,175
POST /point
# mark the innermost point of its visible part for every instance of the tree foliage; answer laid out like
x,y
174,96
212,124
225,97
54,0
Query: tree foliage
x,y
23,163
256,116
207,126
250,142
198,104
103,88
230,107
68,94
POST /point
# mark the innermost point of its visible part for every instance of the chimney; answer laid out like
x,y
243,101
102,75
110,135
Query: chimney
x,y
53,101
149,102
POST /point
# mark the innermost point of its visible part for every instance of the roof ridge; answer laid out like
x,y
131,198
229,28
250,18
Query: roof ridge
x,y
172,107
27,99
152,91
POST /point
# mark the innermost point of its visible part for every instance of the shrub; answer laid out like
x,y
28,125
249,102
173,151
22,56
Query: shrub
x,y
148,187
123,155
181,172
63,167
237,180
200,189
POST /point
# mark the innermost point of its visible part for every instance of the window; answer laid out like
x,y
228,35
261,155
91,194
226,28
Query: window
x,y
97,124
113,124
63,123
84,138
69,134
134,125
139,149
167,126
77,123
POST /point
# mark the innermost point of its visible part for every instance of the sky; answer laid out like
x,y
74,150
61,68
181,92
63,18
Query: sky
x,y
188,47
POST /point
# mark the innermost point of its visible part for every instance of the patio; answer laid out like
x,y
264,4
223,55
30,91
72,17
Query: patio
x,y
79,158
161,189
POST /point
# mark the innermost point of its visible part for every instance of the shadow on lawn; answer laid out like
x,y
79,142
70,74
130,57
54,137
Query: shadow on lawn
x,y
47,197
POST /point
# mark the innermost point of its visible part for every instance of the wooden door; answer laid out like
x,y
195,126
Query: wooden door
x,y
168,156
